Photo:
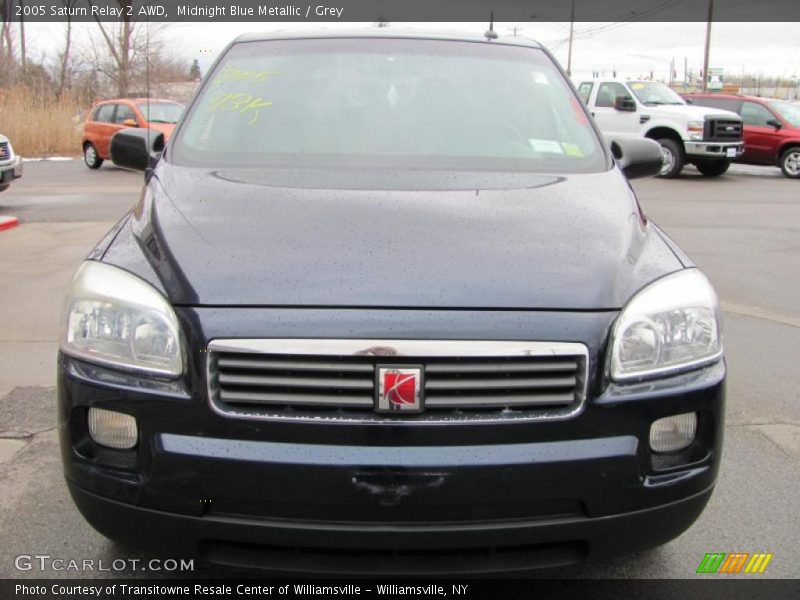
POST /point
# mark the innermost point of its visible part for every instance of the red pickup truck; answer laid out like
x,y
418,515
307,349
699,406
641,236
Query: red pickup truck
x,y
771,128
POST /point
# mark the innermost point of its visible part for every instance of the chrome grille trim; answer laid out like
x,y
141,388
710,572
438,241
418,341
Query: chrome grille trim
x,y
535,380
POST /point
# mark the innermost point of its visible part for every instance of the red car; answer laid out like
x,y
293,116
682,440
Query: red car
x,y
108,117
771,129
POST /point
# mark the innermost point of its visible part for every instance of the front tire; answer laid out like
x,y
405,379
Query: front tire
x,y
790,162
672,158
91,157
713,168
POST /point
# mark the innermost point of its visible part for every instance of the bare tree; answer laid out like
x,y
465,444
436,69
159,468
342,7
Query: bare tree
x,y
64,57
8,59
22,53
121,43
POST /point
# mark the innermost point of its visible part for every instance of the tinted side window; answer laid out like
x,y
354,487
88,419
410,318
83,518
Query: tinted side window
x,y
124,112
755,114
585,90
722,103
104,113
608,92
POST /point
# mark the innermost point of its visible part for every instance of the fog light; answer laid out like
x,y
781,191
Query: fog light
x,y
673,433
112,429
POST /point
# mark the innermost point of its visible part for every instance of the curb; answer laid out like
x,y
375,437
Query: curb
x,y
8,223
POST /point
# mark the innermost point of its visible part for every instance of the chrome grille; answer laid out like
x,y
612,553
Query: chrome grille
x,y
304,379
723,130
5,152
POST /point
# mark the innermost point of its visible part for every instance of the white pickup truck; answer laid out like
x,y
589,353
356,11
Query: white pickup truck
x,y
10,164
707,138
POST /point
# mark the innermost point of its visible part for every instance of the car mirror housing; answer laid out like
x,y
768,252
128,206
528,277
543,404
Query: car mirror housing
x,y
636,157
130,123
137,149
625,104
775,123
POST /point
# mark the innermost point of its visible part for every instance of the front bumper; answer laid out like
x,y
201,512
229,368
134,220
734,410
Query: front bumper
x,y
706,149
377,549
390,499
9,171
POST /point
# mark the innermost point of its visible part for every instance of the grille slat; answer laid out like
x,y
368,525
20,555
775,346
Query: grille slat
x,y
288,399
499,383
5,153
500,367
298,382
227,361
452,401
462,380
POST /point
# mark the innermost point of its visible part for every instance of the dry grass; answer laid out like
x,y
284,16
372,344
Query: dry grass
x,y
38,125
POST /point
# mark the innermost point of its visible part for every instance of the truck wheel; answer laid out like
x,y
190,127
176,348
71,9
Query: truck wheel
x,y
713,168
790,162
671,158
91,157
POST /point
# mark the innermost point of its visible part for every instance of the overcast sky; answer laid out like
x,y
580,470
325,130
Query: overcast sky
x,y
773,49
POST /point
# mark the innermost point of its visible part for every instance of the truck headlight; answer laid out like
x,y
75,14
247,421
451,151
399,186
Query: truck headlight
x,y
695,129
115,318
669,326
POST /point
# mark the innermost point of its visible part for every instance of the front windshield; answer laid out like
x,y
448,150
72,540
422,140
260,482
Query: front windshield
x,y
789,112
161,112
393,103
654,93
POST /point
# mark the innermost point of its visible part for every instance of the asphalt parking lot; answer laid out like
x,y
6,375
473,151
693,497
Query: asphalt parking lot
x,y
743,229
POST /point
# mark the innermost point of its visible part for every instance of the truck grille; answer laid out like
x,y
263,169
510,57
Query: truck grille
x,y
5,151
723,130
310,379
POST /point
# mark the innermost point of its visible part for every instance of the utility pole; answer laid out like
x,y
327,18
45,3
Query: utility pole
x,y
685,72
23,54
569,49
708,44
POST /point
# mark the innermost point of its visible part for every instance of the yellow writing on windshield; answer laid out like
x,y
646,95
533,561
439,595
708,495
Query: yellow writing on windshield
x,y
241,103
231,73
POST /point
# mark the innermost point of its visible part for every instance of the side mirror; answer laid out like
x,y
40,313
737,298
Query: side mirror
x,y
130,123
775,123
625,104
688,101
636,156
137,149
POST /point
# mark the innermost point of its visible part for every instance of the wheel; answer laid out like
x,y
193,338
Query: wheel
x,y
91,157
671,158
790,162
713,168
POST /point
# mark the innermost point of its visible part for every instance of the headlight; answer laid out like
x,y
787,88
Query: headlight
x,y
695,129
115,318
669,326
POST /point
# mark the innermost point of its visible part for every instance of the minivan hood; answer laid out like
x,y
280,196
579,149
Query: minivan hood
x,y
242,237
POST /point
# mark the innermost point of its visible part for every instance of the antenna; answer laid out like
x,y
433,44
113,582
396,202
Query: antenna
x,y
147,74
491,34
